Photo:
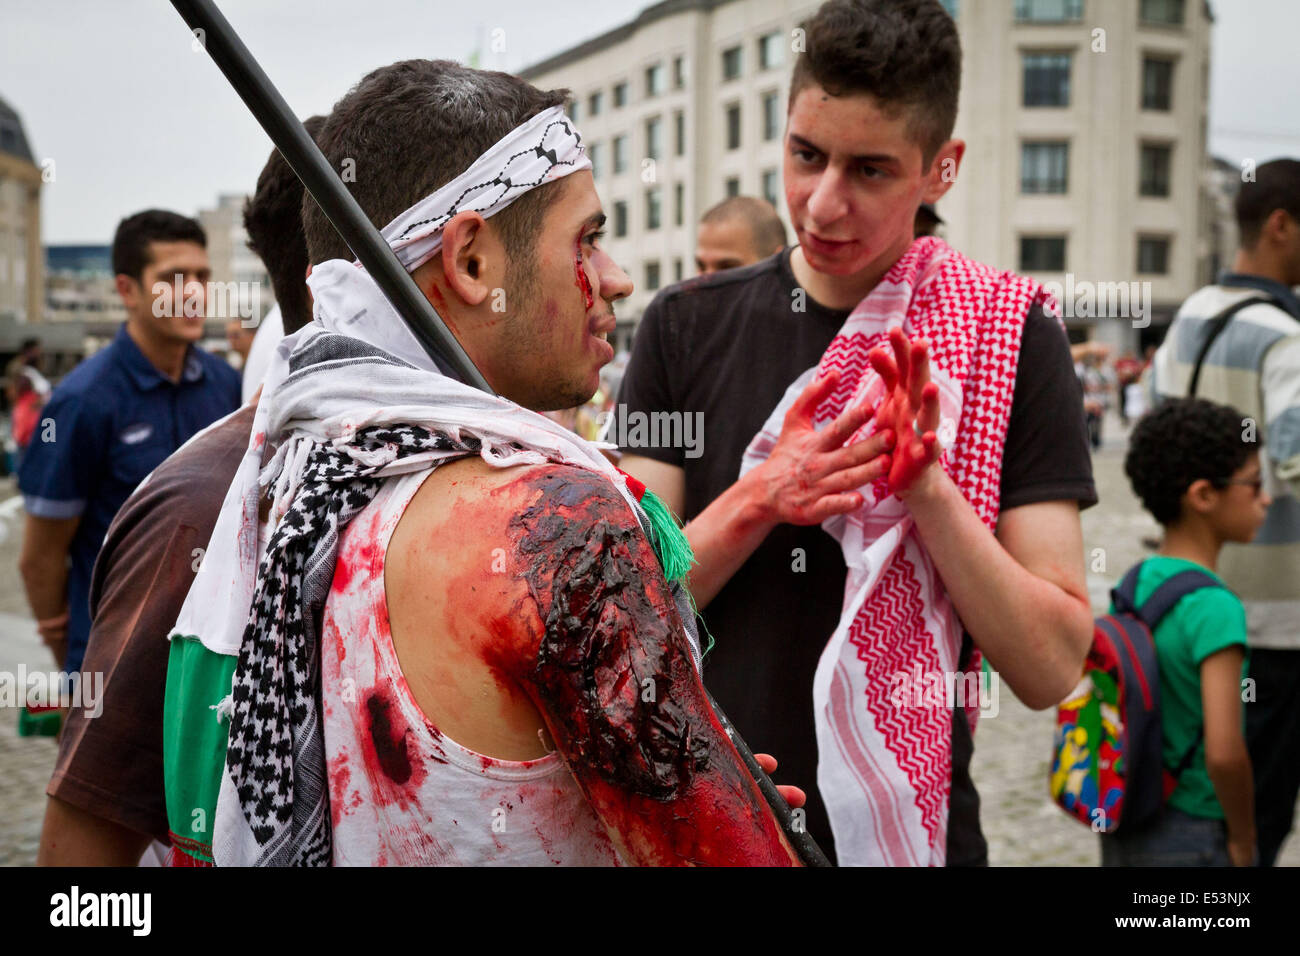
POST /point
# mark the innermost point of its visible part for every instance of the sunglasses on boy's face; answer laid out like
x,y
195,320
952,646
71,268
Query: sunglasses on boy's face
x,y
1257,483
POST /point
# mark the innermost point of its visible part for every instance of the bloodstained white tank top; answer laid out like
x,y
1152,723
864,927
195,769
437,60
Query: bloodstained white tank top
x,y
401,793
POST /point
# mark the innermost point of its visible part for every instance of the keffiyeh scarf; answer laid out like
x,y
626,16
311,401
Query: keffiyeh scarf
x,y
884,744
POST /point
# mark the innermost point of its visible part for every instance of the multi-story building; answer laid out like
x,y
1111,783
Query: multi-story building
x,y
1085,124
233,262
21,265
680,108
82,306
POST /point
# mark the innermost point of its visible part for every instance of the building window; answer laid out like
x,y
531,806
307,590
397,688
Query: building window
x,y
654,128
1044,167
1042,253
594,154
770,51
732,186
620,154
1157,84
654,79
620,95
679,204
1046,79
679,72
571,108
677,270
679,133
1167,13
771,116
951,7
1048,11
1153,256
733,126
620,218
653,208
652,275
1153,170
770,185
594,102
731,63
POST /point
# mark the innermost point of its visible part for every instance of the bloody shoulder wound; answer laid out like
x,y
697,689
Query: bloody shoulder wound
x,y
613,664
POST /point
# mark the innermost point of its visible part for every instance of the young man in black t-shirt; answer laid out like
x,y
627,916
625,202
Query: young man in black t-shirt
x,y
872,105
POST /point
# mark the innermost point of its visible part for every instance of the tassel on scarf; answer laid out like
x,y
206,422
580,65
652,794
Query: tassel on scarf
x,y
674,551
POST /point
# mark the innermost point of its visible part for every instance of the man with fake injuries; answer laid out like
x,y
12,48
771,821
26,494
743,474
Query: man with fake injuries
x,y
466,639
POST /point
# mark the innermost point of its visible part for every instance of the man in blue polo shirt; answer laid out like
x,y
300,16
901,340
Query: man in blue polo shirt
x,y
114,419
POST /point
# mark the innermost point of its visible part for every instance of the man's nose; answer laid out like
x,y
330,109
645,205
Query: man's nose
x,y
615,284
826,204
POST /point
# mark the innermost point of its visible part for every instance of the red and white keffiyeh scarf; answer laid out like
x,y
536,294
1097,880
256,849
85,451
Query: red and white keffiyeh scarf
x,y
884,738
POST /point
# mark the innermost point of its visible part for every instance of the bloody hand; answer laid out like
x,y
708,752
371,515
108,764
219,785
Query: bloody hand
x,y
910,408
811,475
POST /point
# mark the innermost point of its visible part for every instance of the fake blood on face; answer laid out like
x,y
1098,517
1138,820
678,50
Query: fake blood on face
x,y
580,273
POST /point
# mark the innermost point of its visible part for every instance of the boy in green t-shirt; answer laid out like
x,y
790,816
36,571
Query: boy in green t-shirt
x,y
1194,469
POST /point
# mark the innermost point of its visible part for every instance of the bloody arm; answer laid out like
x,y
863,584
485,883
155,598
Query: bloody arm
x,y
610,670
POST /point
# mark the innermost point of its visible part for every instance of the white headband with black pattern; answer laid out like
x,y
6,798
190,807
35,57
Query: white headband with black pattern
x,y
544,149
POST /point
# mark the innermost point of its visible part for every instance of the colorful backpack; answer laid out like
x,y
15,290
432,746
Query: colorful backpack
x,y
1107,765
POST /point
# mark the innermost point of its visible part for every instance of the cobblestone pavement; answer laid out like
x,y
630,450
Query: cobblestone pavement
x,y
1021,823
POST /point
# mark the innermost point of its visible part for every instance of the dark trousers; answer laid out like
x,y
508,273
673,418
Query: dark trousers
x,y
1172,839
1273,738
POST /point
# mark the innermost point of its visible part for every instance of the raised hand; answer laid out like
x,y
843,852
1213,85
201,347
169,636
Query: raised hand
x,y
910,408
811,475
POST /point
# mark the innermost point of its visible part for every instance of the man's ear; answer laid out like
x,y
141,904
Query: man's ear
x,y
1201,496
463,263
943,170
1277,226
129,289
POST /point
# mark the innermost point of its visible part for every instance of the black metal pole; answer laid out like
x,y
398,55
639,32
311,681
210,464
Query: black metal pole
x,y
319,178
323,183
810,854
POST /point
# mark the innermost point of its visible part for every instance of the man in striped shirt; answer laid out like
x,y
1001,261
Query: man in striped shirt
x,y
1254,365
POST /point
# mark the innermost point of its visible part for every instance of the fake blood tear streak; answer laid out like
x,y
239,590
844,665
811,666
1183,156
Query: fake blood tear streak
x,y
580,271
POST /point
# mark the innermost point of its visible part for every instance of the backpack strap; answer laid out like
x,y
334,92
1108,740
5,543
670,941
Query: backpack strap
x,y
1124,594
1170,592
1217,324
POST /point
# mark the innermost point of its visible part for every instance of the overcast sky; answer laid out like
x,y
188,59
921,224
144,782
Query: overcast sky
x,y
133,117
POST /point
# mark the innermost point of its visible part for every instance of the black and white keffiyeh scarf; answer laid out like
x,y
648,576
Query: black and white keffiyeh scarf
x,y
275,756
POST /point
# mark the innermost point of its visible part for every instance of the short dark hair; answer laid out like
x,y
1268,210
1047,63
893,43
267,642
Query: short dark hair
x,y
767,232
273,221
1180,442
30,342
905,53
412,127
1276,185
134,233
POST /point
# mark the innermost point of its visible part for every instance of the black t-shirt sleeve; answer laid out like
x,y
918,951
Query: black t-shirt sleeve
x,y
1046,455
646,387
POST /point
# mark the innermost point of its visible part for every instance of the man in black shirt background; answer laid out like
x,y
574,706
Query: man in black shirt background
x,y
872,105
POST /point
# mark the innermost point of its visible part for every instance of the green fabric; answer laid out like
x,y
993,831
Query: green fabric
x,y
674,551
194,741
1200,624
